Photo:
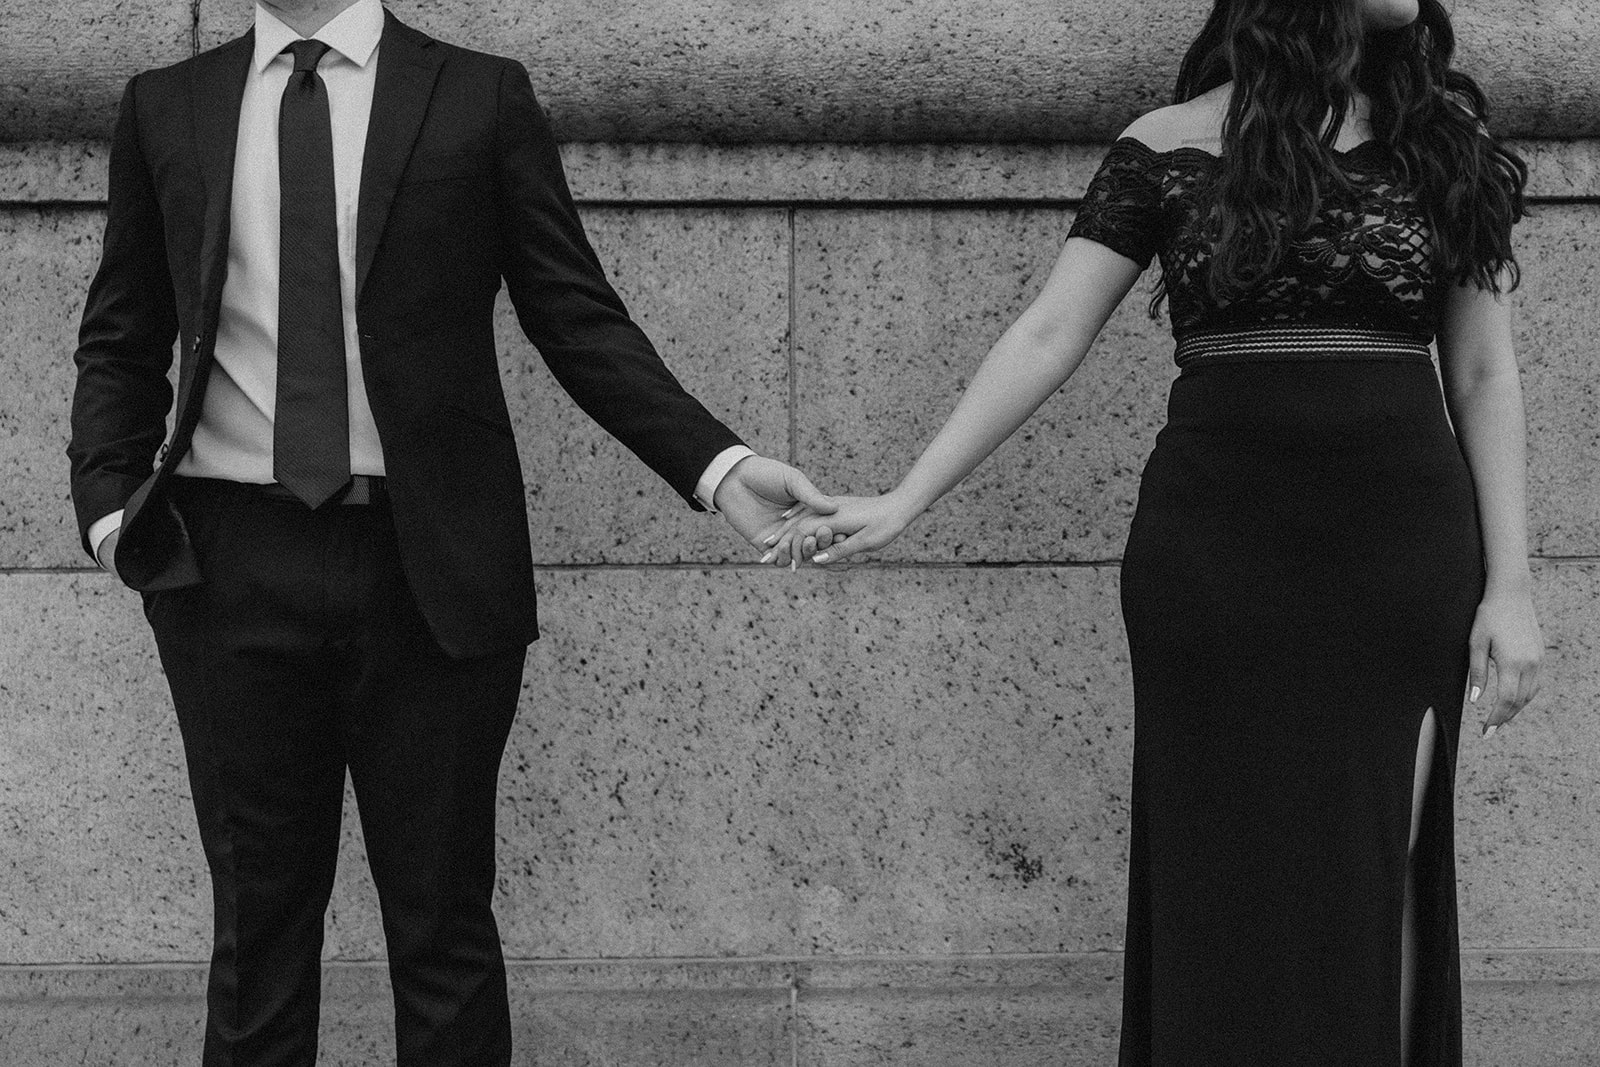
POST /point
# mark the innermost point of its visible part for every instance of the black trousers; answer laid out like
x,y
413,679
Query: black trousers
x,y
303,655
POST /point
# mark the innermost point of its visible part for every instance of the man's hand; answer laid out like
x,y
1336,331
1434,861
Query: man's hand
x,y
755,497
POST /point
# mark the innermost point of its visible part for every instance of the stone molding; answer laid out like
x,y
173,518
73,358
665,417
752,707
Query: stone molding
x,y
797,70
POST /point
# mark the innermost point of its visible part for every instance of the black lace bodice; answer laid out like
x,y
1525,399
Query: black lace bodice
x,y
1363,262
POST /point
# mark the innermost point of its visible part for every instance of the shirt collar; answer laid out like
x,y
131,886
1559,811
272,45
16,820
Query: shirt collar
x,y
353,33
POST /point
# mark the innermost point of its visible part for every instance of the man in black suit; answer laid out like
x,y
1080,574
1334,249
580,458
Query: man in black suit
x,y
333,546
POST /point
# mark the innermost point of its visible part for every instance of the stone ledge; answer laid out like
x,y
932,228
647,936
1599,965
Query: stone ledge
x,y
1009,1011
831,174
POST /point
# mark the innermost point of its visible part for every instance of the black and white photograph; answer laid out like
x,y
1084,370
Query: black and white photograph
x,y
800,533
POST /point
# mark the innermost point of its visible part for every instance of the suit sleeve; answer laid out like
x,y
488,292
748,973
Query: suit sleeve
x,y
573,316
130,321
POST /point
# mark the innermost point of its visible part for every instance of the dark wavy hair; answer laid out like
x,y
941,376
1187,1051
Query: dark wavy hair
x,y
1293,64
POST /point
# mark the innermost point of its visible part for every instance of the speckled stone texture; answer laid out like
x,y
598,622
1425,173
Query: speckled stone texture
x,y
895,310
47,257
102,861
704,1014
60,171
844,763
711,289
707,763
725,762
831,174
1062,1011
866,817
1557,334
892,311
63,65
833,70
1527,835
1008,1011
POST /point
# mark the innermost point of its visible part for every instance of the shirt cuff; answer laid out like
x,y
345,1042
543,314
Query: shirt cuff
x,y
705,491
100,529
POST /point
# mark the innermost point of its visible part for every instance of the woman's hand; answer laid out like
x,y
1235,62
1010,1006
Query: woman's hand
x,y
861,524
1506,632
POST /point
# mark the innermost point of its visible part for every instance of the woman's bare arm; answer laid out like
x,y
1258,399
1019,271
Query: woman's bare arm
x,y
1484,393
1032,359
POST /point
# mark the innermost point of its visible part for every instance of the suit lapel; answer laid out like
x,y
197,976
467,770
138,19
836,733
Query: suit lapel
x,y
216,90
407,66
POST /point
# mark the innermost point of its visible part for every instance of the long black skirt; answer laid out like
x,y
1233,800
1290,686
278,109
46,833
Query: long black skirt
x,y
1298,587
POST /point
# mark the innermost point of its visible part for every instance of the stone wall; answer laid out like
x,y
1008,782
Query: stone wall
x,y
858,817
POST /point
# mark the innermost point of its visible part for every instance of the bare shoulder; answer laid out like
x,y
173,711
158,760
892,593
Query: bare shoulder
x,y
1195,123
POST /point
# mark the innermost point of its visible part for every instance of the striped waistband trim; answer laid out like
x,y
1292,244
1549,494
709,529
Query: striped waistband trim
x,y
1263,344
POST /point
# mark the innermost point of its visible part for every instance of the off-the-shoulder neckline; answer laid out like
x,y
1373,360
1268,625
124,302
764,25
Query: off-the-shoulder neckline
x,y
1125,138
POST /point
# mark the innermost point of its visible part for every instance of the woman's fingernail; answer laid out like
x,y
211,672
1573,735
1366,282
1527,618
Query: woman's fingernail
x,y
769,542
790,513
768,557
820,557
794,565
1475,693
1488,731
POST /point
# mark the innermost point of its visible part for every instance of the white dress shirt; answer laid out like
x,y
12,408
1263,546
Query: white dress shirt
x,y
233,438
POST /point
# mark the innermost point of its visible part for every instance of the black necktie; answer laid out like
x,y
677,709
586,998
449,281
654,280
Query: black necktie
x,y
311,426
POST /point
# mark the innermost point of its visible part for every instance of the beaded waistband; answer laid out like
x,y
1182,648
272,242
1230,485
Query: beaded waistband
x,y
1262,344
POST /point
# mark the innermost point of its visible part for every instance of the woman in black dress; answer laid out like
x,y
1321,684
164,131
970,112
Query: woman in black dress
x,y
1319,565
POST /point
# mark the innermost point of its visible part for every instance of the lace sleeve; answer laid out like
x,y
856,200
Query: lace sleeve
x,y
1121,208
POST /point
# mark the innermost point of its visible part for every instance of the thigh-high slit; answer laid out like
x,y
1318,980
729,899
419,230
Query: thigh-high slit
x,y
1298,587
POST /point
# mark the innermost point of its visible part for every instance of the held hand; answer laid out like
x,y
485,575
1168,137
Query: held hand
x,y
1505,632
755,497
860,524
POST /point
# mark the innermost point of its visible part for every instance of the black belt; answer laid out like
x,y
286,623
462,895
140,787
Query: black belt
x,y
363,489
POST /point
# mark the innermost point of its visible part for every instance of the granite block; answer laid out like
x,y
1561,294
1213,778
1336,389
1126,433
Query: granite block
x,y
103,861
945,70
730,763
1531,1023
47,256
710,288
1527,799
707,763
54,171
896,309
64,65
1026,1011
1557,334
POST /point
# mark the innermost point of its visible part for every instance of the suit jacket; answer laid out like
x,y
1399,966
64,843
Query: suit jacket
x,y
461,189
